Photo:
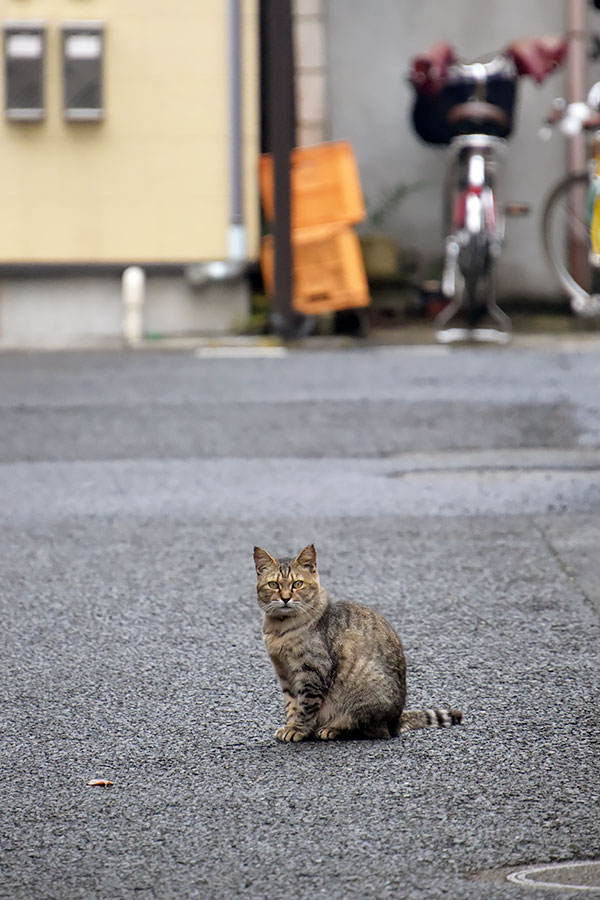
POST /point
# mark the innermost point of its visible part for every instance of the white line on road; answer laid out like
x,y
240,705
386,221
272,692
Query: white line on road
x,y
522,876
267,352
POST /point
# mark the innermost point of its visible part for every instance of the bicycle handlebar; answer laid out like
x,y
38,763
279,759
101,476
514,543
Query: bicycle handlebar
x,y
536,57
572,118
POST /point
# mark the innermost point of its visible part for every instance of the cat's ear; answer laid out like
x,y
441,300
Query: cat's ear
x,y
308,558
262,559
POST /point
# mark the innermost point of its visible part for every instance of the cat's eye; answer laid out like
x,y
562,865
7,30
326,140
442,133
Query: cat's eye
x,y
273,584
297,584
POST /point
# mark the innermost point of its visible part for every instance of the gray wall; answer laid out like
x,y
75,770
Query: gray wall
x,y
370,45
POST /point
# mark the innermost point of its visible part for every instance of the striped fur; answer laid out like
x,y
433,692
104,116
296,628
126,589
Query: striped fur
x,y
341,666
429,718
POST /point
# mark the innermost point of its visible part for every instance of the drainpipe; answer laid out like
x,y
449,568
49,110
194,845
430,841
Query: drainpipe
x,y
577,92
236,237
577,81
204,273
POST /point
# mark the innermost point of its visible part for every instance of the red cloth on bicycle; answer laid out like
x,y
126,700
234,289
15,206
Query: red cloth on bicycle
x,y
430,70
538,57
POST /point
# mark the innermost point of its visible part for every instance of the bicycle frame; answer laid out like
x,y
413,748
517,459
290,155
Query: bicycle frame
x,y
594,206
470,191
474,232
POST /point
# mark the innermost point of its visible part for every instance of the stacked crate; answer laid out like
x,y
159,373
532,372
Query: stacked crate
x,y
326,201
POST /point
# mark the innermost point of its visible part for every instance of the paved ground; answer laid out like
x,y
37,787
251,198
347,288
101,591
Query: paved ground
x,y
456,490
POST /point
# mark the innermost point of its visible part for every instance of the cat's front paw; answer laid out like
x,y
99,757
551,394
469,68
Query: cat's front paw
x,y
328,734
290,734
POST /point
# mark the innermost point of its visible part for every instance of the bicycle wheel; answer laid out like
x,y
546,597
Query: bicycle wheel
x,y
567,242
473,314
475,265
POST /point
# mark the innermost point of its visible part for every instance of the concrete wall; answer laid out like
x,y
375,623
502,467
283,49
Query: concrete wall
x,y
87,310
311,70
369,48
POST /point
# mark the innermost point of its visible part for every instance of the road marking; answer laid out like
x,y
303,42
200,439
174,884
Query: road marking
x,y
523,876
240,352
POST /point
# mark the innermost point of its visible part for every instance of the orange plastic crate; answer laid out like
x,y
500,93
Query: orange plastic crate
x,y
328,270
324,186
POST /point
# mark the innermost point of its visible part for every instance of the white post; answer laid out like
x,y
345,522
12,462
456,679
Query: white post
x,y
133,286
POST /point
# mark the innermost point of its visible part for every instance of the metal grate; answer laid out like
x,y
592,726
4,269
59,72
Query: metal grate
x,y
24,64
83,65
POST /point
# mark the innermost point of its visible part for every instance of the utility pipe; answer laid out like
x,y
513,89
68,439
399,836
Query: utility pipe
x,y
577,77
201,274
236,235
576,153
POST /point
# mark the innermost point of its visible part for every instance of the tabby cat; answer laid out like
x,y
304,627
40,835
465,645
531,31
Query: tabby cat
x,y
341,666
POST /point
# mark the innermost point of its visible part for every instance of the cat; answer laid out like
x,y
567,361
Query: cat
x,y
341,666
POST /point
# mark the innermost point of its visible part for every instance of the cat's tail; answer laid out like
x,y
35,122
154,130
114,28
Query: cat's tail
x,y
429,718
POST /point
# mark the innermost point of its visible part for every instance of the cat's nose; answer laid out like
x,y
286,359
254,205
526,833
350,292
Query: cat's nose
x,y
286,599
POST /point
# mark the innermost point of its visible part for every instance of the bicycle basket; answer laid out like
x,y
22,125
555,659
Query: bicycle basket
x,y
431,113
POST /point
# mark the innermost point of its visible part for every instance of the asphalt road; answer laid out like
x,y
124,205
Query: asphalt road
x,y
458,491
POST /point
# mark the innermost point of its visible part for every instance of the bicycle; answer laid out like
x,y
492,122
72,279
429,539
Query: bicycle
x,y
469,107
571,214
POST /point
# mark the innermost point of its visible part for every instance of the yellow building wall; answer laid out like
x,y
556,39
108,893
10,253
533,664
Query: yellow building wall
x,y
150,183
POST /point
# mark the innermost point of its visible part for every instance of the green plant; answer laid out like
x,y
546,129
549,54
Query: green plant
x,y
378,215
